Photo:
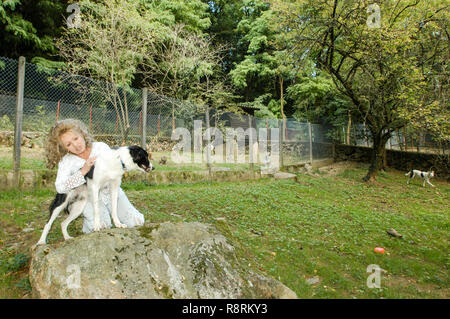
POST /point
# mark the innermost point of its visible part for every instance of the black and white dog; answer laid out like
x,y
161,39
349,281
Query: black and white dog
x,y
425,175
108,169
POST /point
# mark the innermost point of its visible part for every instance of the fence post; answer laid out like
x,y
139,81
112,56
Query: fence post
x,y
250,147
144,118
310,144
281,139
208,137
19,118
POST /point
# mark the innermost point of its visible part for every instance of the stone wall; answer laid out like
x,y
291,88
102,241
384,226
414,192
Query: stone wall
x,y
29,139
403,161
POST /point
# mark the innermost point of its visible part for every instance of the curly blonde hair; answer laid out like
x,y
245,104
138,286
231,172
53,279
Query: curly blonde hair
x,y
54,150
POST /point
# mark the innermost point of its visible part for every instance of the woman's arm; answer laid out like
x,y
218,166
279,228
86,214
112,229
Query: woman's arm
x,y
68,177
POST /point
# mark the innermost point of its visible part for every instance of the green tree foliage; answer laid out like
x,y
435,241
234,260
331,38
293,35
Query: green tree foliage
x,y
314,60
225,16
156,44
192,13
267,65
378,69
109,45
315,97
29,27
183,62
431,114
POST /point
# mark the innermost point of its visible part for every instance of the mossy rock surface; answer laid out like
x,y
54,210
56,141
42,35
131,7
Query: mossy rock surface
x,y
167,260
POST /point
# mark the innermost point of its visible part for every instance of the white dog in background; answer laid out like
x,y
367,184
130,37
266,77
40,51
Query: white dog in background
x,y
425,175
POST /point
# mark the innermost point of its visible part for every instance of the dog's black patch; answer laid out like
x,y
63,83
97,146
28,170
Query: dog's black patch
x,y
58,201
411,174
90,174
421,174
72,201
139,156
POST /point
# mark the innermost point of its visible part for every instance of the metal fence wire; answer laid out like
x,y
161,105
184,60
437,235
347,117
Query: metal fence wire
x,y
107,109
51,95
402,140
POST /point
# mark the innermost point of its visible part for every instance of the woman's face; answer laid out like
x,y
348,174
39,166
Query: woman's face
x,y
73,142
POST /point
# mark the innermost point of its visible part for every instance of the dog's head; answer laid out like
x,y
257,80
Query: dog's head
x,y
140,158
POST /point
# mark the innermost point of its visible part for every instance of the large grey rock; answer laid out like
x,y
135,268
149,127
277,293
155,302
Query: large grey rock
x,y
167,260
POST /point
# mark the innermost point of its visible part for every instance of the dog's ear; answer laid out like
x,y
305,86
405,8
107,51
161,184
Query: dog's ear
x,y
137,151
138,154
133,151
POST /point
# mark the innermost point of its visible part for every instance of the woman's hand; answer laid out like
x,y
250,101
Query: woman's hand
x,y
87,166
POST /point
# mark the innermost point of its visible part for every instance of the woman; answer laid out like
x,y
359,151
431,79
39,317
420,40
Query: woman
x,y
72,148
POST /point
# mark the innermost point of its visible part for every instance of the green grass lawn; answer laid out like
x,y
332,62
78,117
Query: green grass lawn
x,y
25,163
320,226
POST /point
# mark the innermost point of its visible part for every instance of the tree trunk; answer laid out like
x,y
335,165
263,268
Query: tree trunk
x,y
126,119
399,141
384,167
377,161
349,125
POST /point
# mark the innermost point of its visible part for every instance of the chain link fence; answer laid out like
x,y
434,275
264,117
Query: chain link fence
x,y
404,139
51,95
107,109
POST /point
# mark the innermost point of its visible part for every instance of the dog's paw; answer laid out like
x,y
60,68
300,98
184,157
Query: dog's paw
x,y
120,225
97,225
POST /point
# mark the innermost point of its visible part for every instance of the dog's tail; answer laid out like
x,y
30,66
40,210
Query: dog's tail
x,y
58,201
410,173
